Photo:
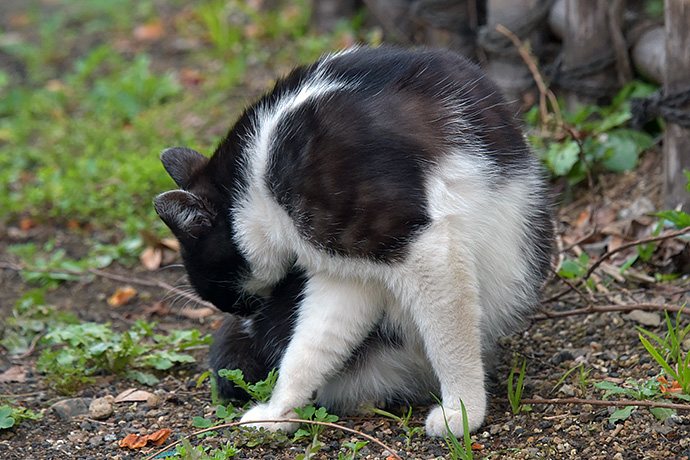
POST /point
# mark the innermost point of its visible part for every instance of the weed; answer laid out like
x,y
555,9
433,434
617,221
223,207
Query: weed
x,y
88,348
458,450
187,452
49,266
30,318
10,417
583,380
259,391
650,389
403,421
668,352
311,431
575,269
596,139
354,448
515,392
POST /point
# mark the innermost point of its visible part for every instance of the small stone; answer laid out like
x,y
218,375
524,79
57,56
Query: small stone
x,y
70,408
154,401
101,408
567,390
645,318
638,208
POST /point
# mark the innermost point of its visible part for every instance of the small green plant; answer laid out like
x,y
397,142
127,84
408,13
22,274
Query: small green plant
x,y
10,417
596,138
403,421
224,414
29,320
185,451
668,351
647,390
457,450
259,391
515,390
583,380
312,431
88,348
48,266
354,448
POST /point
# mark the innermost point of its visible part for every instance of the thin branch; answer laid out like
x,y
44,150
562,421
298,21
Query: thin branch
x,y
601,402
115,277
623,247
607,308
544,92
288,420
600,260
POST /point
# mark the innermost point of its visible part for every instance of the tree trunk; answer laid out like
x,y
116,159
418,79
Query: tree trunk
x,y
589,55
676,137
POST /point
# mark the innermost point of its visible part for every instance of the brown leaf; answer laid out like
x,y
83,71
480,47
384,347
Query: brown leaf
x,y
150,31
196,313
13,374
20,20
190,77
151,258
122,296
27,223
135,441
160,436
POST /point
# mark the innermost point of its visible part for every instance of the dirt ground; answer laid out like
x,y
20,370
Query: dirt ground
x,y
607,343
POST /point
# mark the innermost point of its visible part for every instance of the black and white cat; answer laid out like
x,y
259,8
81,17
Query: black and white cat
x,y
378,221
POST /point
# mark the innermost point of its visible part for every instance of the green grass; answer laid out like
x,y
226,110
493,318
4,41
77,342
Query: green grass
x,y
80,138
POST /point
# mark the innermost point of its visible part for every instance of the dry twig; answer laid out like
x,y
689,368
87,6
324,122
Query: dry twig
x,y
607,308
600,402
289,420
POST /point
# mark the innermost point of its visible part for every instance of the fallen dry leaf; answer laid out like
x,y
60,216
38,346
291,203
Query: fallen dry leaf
x,y
122,296
151,258
27,223
150,31
133,395
190,77
135,441
13,374
160,436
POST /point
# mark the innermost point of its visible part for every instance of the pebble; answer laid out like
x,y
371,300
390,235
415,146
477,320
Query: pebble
x,y
645,318
154,401
70,408
101,408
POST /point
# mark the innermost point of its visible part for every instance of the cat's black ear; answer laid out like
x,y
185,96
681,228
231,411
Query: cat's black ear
x,y
187,215
181,163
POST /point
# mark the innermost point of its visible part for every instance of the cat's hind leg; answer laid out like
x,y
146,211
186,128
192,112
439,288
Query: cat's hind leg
x,y
440,288
334,317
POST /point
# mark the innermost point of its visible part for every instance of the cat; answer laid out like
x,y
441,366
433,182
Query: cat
x,y
375,222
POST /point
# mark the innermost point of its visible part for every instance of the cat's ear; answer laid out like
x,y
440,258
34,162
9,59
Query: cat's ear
x,y
181,163
187,215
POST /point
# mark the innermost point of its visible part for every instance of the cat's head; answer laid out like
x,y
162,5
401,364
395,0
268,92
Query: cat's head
x,y
198,215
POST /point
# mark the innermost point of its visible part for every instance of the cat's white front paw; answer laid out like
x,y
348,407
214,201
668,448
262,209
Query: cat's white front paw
x,y
436,423
266,412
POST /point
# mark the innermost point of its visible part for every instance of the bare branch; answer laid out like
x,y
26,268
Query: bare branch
x,y
289,420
